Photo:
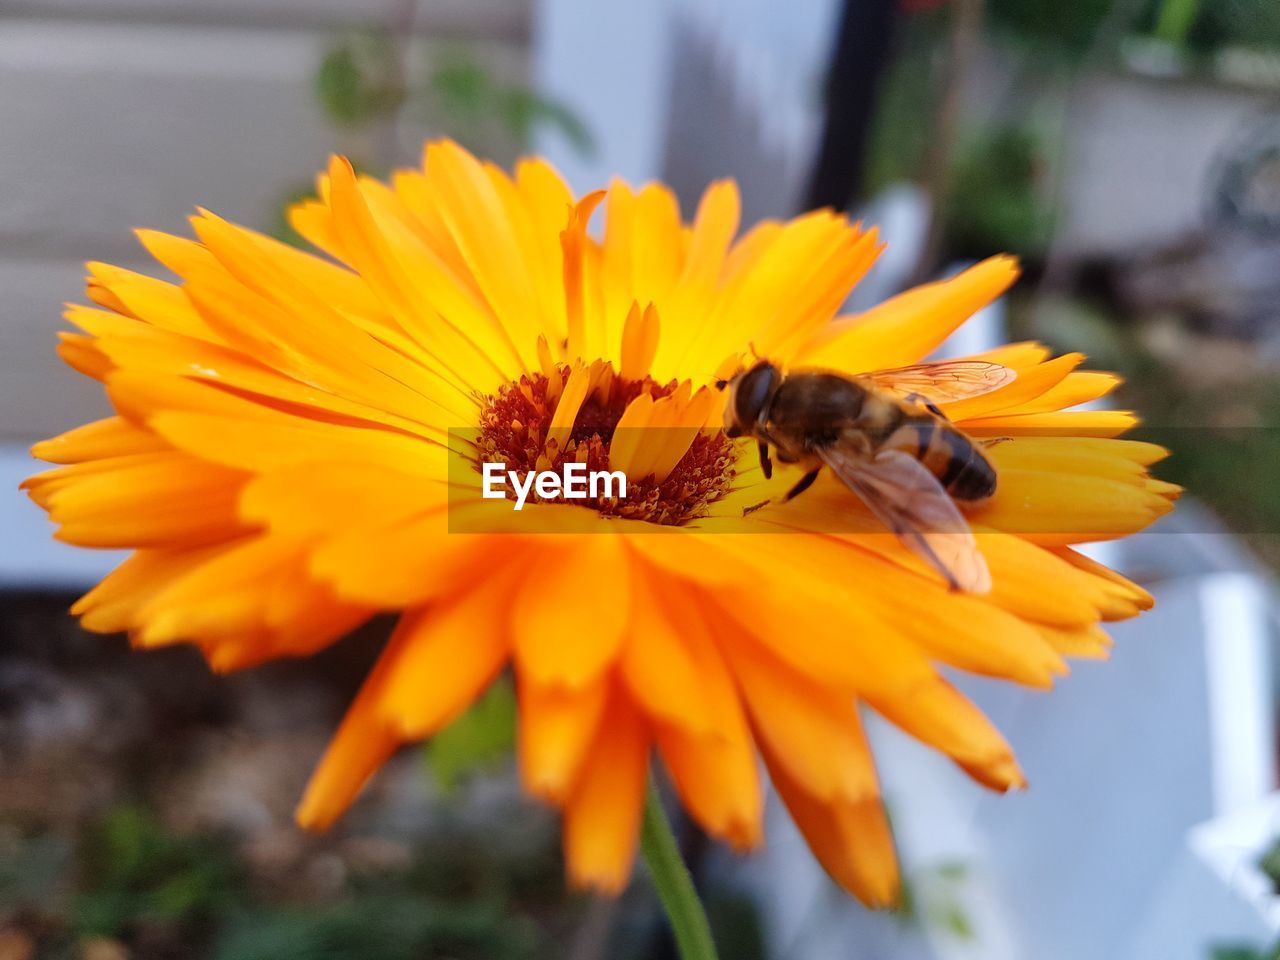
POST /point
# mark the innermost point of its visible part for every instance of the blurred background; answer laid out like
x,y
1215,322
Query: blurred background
x,y
1127,150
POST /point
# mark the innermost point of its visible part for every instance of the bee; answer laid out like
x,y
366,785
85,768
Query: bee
x,y
885,437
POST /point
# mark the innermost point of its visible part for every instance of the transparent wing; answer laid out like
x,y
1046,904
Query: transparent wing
x,y
944,381
910,501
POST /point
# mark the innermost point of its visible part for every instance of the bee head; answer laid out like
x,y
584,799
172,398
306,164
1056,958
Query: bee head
x,y
749,395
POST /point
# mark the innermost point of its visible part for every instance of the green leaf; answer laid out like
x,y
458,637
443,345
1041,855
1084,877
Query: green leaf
x,y
472,100
1176,19
957,922
478,740
383,928
338,86
360,79
526,110
1269,864
463,88
953,870
1235,952
137,871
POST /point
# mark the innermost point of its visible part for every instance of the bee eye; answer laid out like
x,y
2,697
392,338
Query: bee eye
x,y
754,390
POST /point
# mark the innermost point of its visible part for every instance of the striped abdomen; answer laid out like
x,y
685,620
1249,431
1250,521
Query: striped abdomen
x,y
953,458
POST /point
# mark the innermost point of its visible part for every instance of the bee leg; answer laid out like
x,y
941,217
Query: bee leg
x,y
803,484
766,465
993,441
754,507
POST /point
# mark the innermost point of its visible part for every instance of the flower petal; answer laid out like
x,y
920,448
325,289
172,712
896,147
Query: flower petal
x,y
567,619
602,816
907,328
850,838
557,727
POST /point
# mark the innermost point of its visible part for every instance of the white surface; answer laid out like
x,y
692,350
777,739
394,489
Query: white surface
x,y
1237,658
1093,861
108,127
608,63
116,114
29,556
1231,847
451,18
1142,153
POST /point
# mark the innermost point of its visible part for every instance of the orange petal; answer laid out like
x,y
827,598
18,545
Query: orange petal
x,y
408,561
1087,642
658,664
152,500
557,725
910,326
362,744
1056,508
717,779
440,659
112,606
575,245
714,769
1059,423
602,817
937,714
112,437
1029,386
569,614
570,402
850,838
435,664
813,731
640,336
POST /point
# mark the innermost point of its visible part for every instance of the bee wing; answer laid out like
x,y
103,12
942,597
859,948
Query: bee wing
x,y
910,501
944,381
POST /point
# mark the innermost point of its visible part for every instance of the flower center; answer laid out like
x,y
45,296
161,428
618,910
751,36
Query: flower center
x,y
514,426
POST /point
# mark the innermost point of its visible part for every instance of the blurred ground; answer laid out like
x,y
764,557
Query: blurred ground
x,y
146,807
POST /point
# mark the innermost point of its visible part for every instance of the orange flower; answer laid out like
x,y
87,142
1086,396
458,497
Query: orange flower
x,y
295,448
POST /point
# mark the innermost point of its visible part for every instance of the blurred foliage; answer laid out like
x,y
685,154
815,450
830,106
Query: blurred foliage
x,y
1175,19
1220,424
137,888
360,79
1205,27
735,926
1068,28
383,928
1067,31
933,897
1248,23
997,197
363,79
479,740
1238,952
364,85
472,98
995,200
138,873
900,137
1269,864
1238,436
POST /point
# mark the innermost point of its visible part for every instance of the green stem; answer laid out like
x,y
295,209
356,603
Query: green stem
x,y
675,885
